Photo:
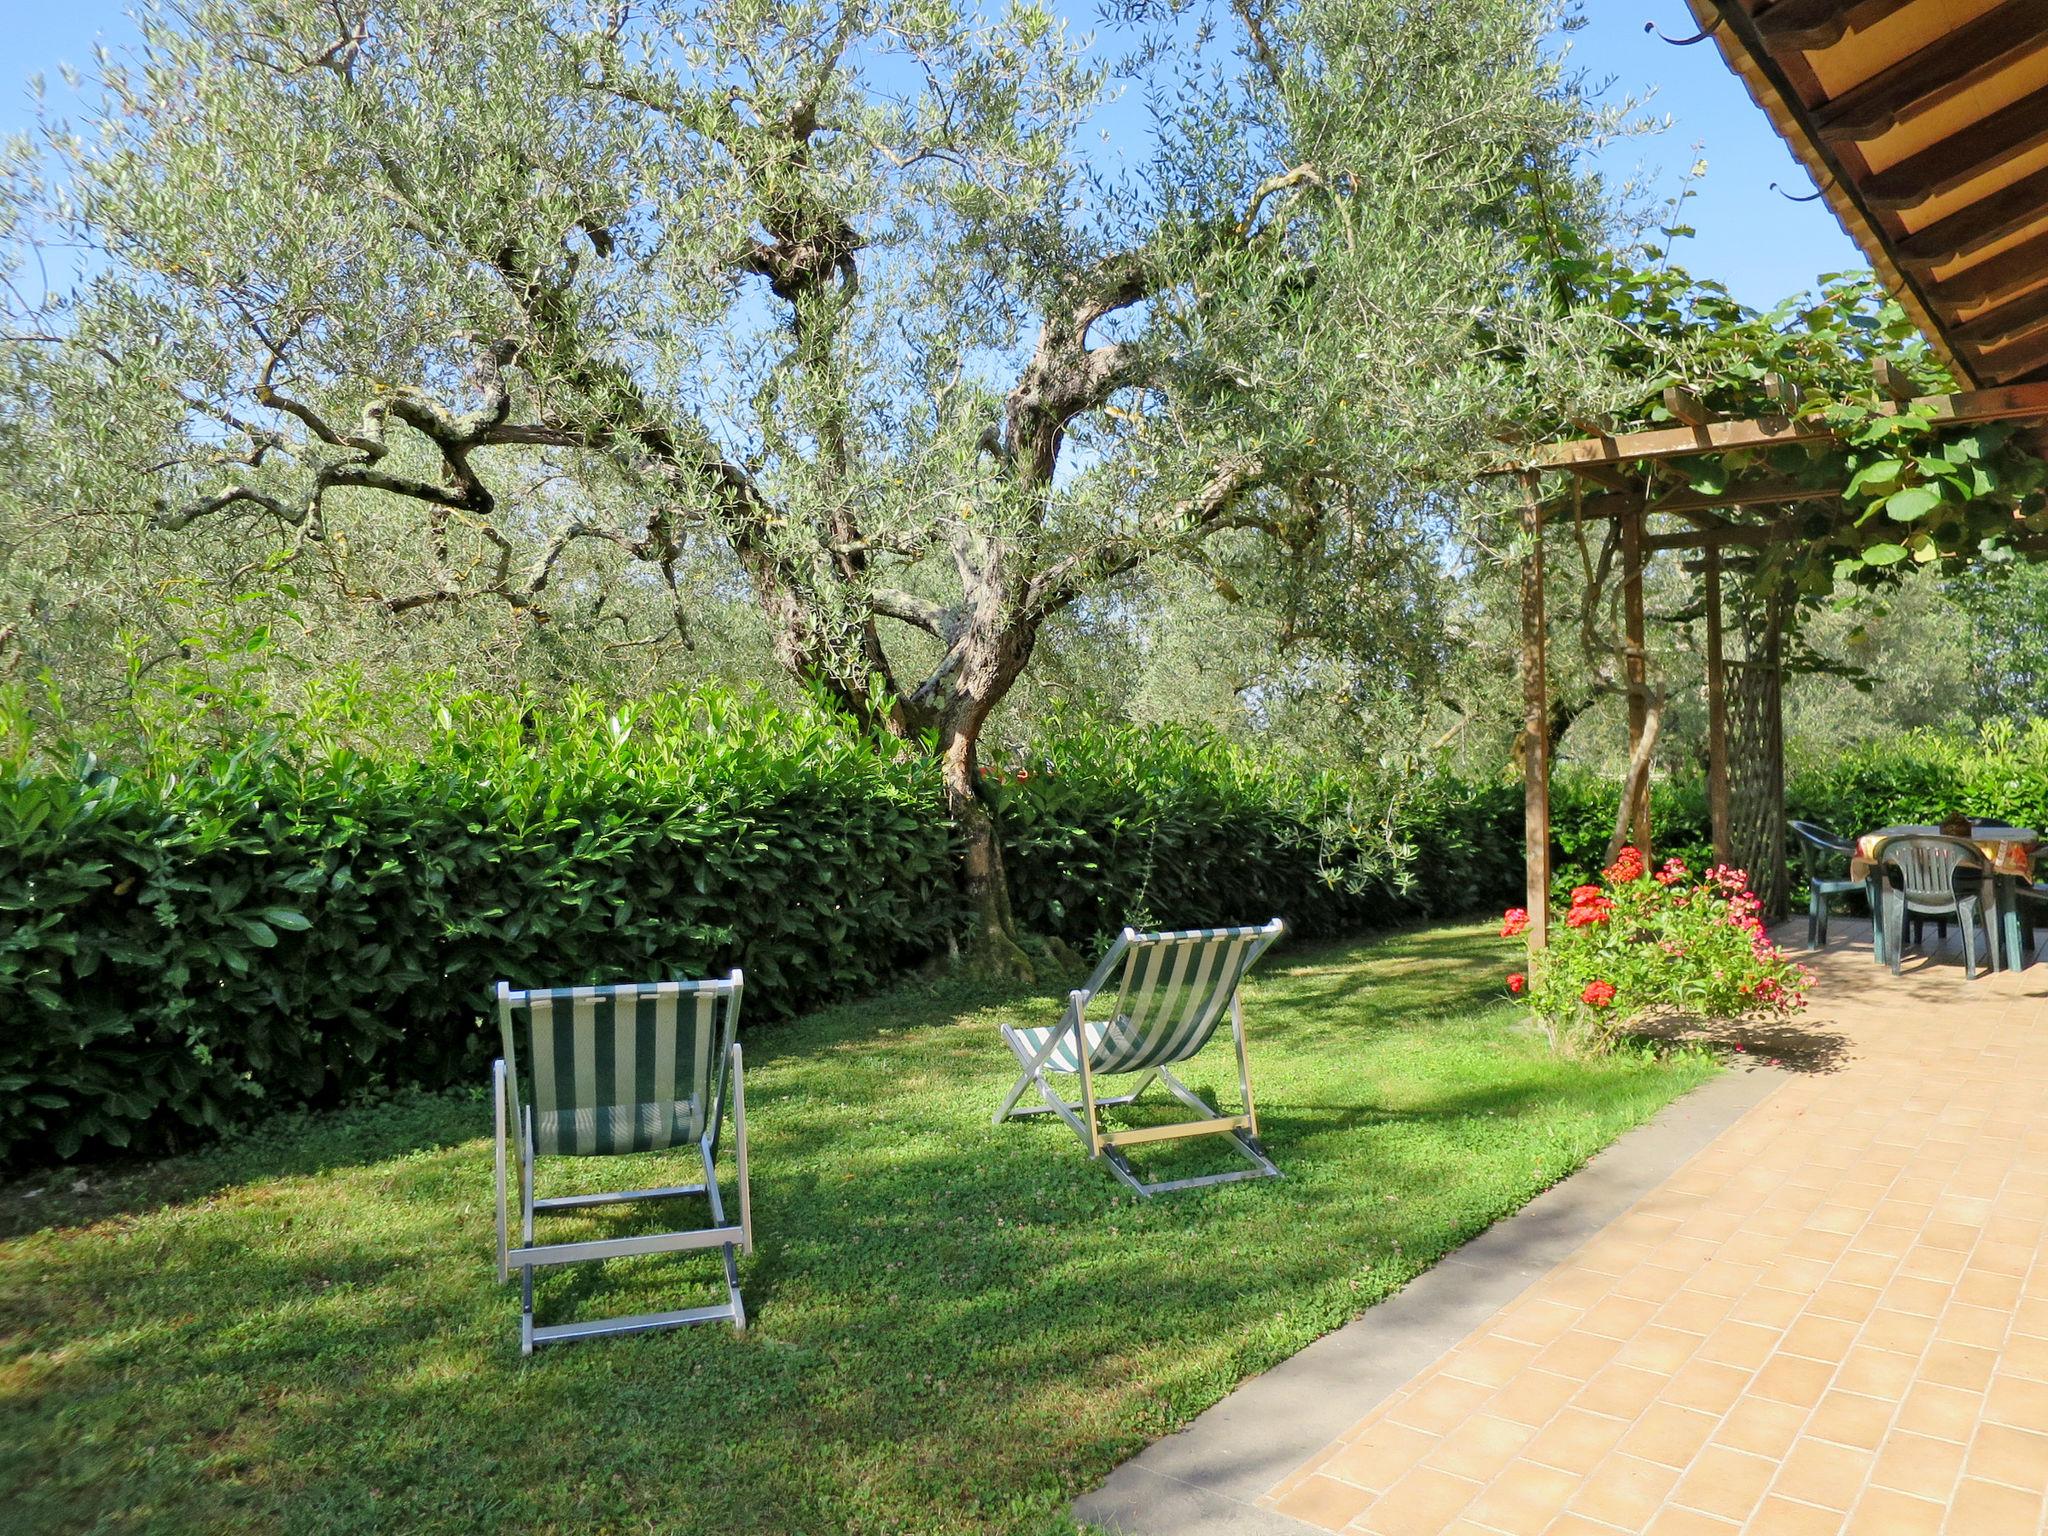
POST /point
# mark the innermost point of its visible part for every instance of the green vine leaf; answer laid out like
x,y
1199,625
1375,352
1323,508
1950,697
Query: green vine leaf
x,y
1884,554
1911,504
1874,476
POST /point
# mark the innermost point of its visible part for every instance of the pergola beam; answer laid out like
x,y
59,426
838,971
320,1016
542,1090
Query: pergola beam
x,y
1760,537
1891,380
1687,406
1696,507
1980,405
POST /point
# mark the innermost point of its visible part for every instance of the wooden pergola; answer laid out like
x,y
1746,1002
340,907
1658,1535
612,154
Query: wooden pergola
x,y
1632,477
1924,125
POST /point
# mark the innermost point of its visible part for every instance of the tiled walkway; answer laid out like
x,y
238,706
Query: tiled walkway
x,y
1835,1318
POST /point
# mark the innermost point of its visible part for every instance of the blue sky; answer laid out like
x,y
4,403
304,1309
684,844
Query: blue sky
x,y
1761,245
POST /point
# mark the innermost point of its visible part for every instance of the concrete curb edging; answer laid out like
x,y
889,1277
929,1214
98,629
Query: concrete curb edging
x,y
1206,1480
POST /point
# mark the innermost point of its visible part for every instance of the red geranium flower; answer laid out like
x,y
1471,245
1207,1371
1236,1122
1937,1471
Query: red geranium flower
x,y
1585,914
1627,866
1516,920
1598,993
1516,982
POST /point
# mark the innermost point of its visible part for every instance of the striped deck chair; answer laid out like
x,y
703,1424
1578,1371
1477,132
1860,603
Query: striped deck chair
x,y
611,1071
1171,990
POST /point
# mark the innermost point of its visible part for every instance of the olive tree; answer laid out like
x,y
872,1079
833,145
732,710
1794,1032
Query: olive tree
x,y
917,322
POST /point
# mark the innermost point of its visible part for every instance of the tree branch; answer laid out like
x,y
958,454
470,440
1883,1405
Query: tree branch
x,y
906,608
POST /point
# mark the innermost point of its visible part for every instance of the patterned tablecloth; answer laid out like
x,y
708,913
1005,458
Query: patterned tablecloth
x,y
2008,850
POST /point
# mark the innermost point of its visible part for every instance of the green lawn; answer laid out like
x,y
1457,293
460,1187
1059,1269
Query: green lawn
x,y
955,1327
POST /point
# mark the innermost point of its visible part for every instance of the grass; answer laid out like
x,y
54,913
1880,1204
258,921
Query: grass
x,y
956,1327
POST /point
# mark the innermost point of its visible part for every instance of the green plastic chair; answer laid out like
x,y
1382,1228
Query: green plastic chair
x,y
1825,858
615,1072
1936,877
2033,893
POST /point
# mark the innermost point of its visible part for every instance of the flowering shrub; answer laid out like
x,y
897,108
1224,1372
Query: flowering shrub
x,y
1642,943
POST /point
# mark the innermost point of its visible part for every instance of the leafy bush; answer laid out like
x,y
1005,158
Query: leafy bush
x,y
270,927
1166,825
1638,944
1920,777
1582,809
310,917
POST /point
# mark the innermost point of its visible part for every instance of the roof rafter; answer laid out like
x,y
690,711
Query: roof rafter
x,y
1960,58
1974,150
1822,23
2010,272
2004,212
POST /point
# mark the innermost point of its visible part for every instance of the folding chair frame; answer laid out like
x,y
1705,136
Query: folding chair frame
x,y
515,1126
1241,1131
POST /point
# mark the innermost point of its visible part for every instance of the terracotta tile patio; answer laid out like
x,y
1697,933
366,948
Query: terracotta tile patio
x,y
1835,1318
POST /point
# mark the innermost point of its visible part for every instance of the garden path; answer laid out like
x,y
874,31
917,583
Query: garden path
x,y
1831,1317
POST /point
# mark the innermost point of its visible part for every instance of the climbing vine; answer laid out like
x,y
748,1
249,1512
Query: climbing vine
x,y
1895,485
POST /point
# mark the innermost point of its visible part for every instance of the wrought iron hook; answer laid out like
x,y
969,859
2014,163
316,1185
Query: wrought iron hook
x,y
1812,196
1685,42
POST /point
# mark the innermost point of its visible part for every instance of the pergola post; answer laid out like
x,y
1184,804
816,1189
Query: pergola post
x,y
1535,724
1776,885
1717,716
1637,659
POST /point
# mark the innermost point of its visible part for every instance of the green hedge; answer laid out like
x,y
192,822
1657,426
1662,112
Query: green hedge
x,y
1179,827
1922,777
259,929
297,923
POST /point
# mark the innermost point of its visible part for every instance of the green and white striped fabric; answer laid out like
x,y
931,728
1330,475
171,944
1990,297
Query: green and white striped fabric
x,y
632,1068
1174,989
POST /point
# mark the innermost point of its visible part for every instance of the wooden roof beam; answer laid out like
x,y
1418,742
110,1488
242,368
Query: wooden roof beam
x,y
1994,281
2021,354
1992,217
1998,326
1964,56
1822,23
1974,150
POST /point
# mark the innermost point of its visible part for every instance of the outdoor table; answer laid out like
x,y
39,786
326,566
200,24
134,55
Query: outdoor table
x,y
2007,851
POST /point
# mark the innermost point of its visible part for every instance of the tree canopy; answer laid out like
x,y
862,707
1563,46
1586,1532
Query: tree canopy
x,y
915,325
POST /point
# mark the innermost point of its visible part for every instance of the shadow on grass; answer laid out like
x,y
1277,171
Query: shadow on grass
x,y
302,1144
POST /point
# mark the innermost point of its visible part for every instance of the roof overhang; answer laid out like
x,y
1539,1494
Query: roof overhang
x,y
1925,125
